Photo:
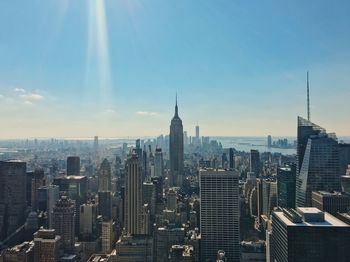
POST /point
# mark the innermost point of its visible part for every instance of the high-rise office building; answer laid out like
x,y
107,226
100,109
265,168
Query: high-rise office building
x,y
158,163
12,196
105,205
269,194
219,214
255,162
269,141
73,166
186,140
75,187
107,236
64,222
197,132
320,166
286,183
149,196
344,158
331,202
138,149
88,221
232,159
308,235
104,176
164,238
133,196
306,129
47,197
176,153
47,244
145,163
37,181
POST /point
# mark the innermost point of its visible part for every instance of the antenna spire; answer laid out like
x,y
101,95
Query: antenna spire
x,y
176,109
308,96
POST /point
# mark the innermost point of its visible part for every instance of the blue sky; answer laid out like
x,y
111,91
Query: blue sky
x,y
76,68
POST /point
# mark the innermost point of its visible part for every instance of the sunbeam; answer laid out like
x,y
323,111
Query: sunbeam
x,y
98,48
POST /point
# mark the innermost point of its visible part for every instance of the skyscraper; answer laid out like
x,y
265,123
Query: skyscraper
x,y
37,181
104,177
308,235
320,165
232,158
47,197
344,158
331,202
197,132
269,194
47,244
286,183
88,221
269,141
305,130
107,236
75,187
176,151
133,196
73,166
105,205
12,196
64,222
255,162
219,214
96,145
158,163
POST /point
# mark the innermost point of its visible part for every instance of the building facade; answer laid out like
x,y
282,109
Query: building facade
x,y
308,235
133,196
12,196
219,214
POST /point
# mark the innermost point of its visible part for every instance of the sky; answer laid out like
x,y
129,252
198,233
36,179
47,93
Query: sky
x,y
112,68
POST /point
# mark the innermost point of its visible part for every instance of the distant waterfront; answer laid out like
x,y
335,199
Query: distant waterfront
x,y
258,143
239,143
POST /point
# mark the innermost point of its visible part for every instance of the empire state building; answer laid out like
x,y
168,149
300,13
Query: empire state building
x,y
176,150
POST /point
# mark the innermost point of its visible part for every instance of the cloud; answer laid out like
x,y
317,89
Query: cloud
x,y
19,90
32,97
1,96
145,113
109,111
28,103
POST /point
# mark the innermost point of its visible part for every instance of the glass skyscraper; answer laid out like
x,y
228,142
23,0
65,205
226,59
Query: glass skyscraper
x,y
319,168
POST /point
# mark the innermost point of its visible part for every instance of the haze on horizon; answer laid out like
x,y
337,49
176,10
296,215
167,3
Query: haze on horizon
x,y
112,68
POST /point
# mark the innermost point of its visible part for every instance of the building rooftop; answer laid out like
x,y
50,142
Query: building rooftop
x,y
327,193
309,216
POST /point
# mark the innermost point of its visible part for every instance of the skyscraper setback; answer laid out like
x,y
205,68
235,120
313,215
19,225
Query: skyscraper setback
x,y
176,145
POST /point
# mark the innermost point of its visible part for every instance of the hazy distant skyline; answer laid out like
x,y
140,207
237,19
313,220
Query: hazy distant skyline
x,y
112,68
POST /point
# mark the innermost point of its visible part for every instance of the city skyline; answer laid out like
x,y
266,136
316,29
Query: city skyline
x,y
85,68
